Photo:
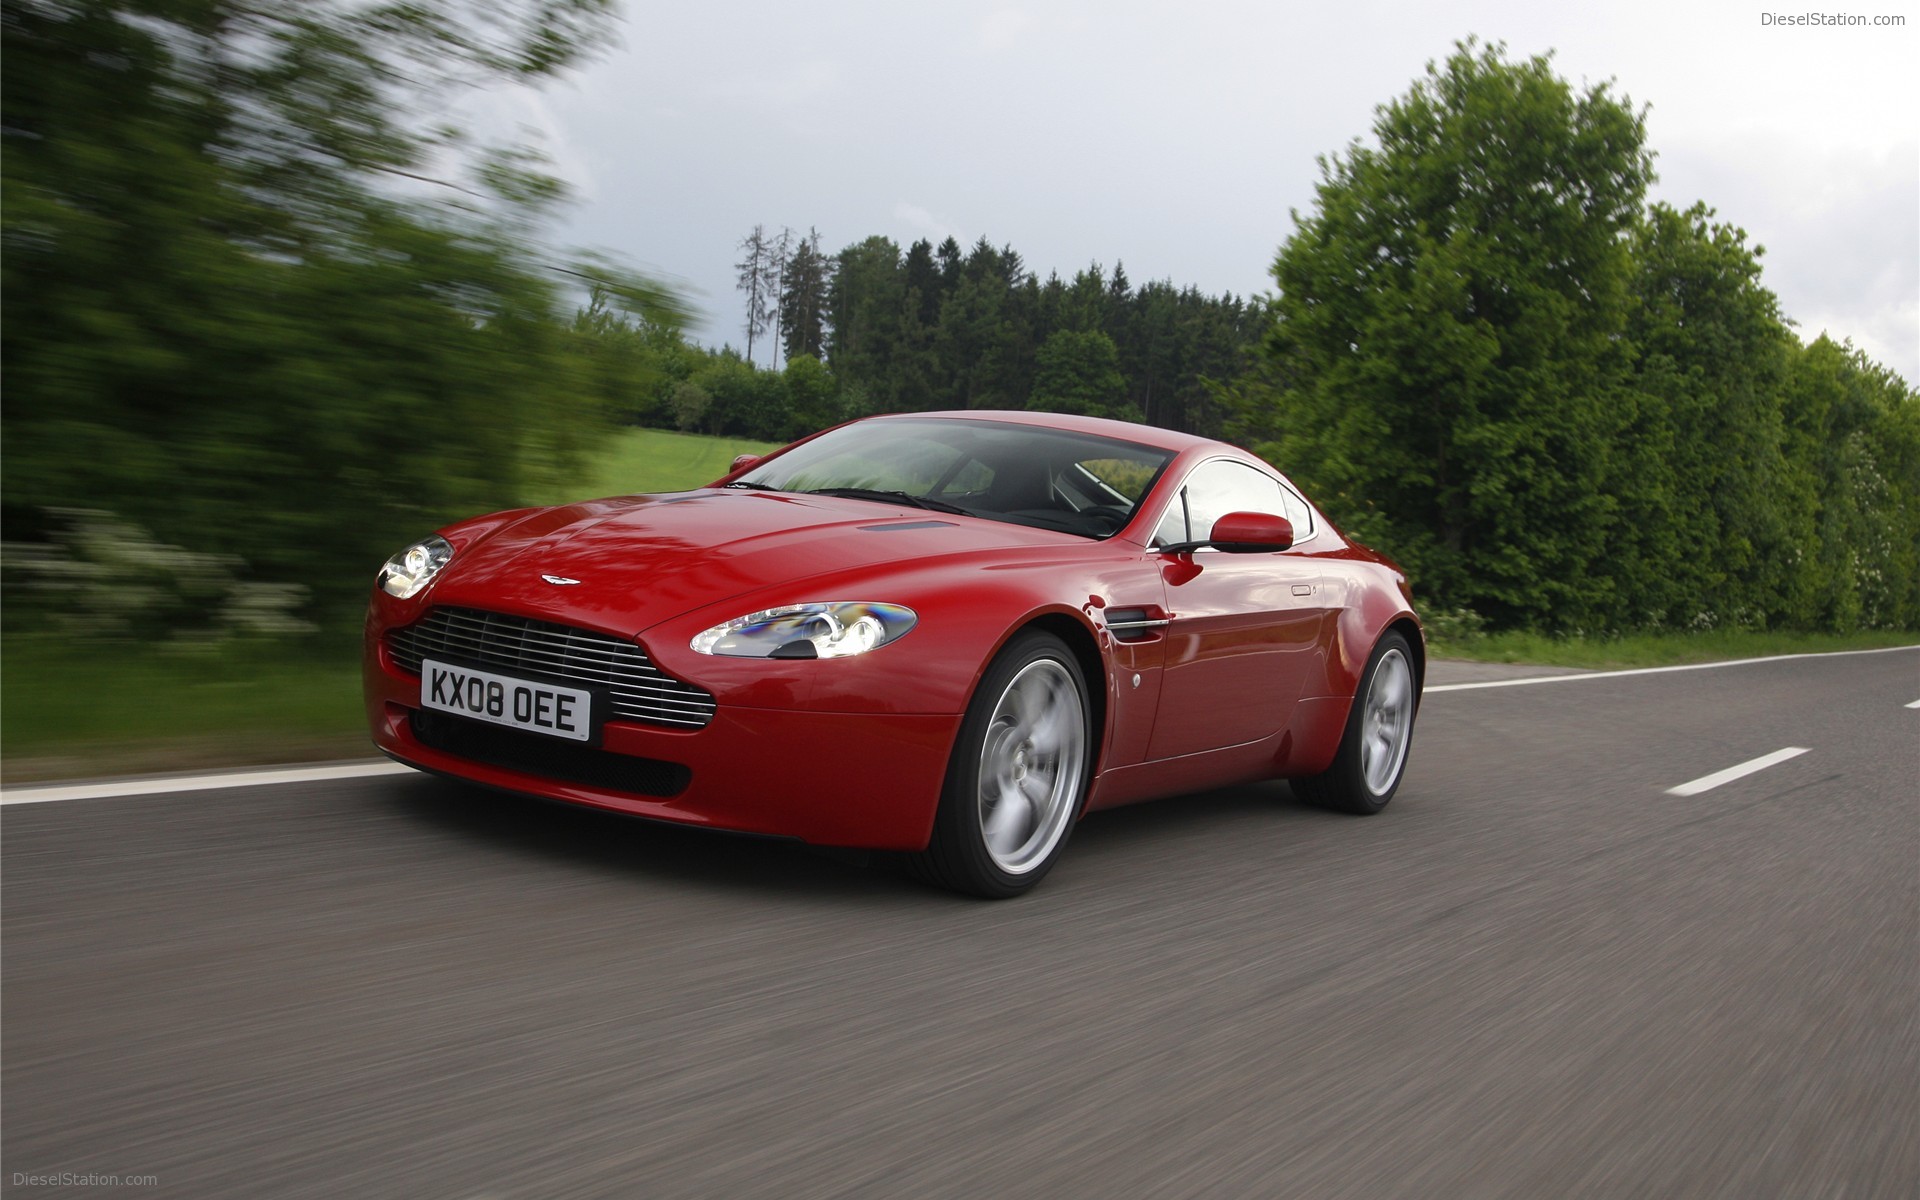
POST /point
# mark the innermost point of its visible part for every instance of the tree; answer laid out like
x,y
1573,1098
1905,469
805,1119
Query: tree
x,y
924,282
1079,372
756,267
1855,429
803,299
1446,344
865,302
975,346
777,264
1715,511
812,397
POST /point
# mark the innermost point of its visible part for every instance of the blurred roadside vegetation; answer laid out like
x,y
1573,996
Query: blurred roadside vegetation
x,y
256,303
151,657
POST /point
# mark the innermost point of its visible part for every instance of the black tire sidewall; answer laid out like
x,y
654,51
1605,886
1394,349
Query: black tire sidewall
x,y
1344,786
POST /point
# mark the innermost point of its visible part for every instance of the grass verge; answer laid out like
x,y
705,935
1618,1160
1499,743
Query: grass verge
x,y
1652,649
651,460
66,712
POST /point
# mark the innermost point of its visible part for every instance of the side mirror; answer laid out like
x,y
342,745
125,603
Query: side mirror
x,y
743,462
1251,533
1242,533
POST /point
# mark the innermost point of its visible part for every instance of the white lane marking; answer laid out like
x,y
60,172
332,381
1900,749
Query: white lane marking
x,y
1710,666
1707,783
198,783
1915,704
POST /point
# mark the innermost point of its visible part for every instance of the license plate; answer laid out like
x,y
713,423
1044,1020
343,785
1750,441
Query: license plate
x,y
503,700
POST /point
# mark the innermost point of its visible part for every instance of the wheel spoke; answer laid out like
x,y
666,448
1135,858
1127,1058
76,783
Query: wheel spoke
x,y
1393,689
1010,820
1048,729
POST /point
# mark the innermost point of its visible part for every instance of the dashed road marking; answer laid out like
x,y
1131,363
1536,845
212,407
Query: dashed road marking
x,y
1707,783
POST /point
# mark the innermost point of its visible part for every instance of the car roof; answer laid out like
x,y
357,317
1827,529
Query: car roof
x,y
1126,431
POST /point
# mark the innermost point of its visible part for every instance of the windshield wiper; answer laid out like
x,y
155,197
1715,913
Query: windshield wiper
x,y
755,484
890,497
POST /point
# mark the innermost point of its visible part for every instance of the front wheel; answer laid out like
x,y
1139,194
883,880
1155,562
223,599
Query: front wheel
x,y
1018,775
1372,757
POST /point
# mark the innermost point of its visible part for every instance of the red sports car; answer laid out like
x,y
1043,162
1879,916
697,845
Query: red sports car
x,y
950,634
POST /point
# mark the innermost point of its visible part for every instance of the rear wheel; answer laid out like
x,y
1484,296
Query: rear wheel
x,y
1018,775
1372,757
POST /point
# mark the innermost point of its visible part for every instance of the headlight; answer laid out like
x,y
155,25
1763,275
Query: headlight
x,y
414,568
833,629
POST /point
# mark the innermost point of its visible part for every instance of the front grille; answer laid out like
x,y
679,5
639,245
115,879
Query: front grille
x,y
548,757
494,641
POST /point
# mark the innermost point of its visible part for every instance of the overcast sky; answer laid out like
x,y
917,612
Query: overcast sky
x,y
1177,137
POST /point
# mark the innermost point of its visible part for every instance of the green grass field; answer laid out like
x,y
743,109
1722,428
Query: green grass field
x,y
652,460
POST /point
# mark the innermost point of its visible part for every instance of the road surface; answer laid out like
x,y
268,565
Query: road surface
x,y
1540,973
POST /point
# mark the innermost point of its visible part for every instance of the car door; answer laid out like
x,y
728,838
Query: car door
x,y
1244,631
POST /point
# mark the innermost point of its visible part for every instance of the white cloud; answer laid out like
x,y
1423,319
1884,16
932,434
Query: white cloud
x,y
923,222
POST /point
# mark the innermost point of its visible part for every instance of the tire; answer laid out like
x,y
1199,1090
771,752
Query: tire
x,y
1018,776
1372,758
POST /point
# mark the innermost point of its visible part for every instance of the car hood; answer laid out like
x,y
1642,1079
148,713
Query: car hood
x,y
638,560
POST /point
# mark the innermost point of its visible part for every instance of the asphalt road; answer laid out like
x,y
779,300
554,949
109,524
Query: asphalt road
x,y
1537,974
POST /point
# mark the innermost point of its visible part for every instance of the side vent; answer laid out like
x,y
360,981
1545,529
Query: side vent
x,y
1137,624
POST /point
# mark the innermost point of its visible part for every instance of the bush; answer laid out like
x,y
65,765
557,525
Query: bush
x,y
104,579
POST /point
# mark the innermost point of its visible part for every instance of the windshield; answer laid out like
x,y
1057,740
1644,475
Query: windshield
x,y
1048,478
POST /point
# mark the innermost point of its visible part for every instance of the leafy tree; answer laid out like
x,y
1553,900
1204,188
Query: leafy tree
x,y
1079,372
743,402
1448,332
1856,427
692,406
1715,512
812,398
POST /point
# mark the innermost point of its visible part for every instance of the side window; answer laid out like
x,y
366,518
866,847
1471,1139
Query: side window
x,y
1298,513
1173,526
1223,486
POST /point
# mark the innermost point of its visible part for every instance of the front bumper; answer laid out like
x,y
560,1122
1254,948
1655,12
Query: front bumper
x,y
861,780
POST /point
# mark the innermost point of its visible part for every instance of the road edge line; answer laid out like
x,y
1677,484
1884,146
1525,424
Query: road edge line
x,y
123,788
